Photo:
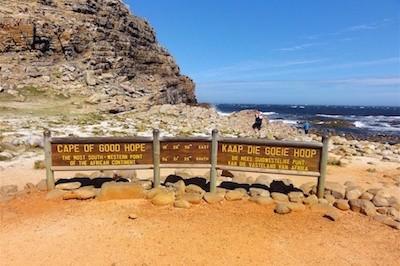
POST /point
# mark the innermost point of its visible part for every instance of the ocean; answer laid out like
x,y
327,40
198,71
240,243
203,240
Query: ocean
x,y
380,123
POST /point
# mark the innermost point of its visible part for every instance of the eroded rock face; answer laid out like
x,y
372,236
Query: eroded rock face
x,y
86,48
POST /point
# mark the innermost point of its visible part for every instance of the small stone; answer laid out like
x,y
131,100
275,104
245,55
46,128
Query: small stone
x,y
163,198
262,200
296,196
42,185
232,195
353,194
5,156
342,204
29,187
282,208
154,191
259,192
212,198
68,195
323,201
355,205
133,216
392,223
367,196
39,164
194,189
296,206
193,198
227,173
337,190
332,215
68,186
307,187
9,190
184,204
85,193
331,199
380,201
90,79
310,200
55,194
280,197
264,180
367,208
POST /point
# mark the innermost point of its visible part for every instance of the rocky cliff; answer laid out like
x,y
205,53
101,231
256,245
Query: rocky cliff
x,y
95,50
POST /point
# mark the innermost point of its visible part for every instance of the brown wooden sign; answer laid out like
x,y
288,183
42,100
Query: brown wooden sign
x,y
101,154
269,156
185,152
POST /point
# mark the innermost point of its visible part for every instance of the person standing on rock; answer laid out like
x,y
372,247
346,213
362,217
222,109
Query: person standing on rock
x,y
306,127
258,122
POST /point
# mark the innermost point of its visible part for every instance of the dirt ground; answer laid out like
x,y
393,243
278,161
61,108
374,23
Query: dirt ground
x,y
41,232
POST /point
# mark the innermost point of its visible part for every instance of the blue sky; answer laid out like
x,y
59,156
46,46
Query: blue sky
x,y
283,52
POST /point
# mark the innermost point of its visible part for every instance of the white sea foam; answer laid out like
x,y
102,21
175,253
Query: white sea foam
x,y
269,113
328,116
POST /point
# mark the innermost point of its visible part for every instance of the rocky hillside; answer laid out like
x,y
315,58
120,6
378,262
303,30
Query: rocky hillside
x,y
93,50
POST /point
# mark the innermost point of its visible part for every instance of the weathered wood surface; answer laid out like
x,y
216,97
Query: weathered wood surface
x,y
101,154
275,155
185,152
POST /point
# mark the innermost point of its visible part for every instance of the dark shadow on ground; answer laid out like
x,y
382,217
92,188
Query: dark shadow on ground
x,y
85,181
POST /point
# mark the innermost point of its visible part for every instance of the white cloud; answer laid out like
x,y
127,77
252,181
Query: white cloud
x,y
298,47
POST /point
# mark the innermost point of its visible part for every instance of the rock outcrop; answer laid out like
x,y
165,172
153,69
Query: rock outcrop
x,y
95,50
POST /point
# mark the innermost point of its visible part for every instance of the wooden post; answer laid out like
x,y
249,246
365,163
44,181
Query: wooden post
x,y
213,170
47,159
323,163
156,158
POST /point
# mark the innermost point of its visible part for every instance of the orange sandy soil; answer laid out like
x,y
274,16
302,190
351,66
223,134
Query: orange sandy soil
x,y
38,232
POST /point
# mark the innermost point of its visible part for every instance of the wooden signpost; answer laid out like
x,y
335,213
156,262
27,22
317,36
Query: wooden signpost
x,y
237,154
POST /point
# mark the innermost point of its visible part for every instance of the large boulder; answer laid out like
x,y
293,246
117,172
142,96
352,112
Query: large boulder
x,y
112,190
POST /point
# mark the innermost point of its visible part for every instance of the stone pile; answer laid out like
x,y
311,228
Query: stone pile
x,y
282,195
